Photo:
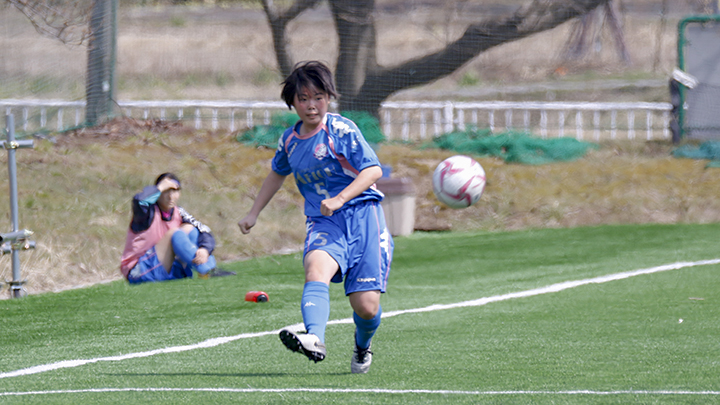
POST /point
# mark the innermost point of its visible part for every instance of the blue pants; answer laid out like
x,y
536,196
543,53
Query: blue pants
x,y
149,268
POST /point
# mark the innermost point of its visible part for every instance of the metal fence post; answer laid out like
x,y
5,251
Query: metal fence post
x,y
100,65
16,240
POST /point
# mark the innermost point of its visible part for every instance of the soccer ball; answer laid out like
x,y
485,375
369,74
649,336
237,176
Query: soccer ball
x,y
459,181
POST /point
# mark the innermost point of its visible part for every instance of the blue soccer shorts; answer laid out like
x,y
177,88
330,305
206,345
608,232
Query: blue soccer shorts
x,y
359,241
149,269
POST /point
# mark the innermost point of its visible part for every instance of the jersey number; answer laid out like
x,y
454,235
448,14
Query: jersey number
x,y
321,191
320,239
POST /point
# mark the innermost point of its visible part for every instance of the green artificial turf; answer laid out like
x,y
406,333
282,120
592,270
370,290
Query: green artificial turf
x,y
619,341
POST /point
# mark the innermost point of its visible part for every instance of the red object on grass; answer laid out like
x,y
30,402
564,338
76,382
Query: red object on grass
x,y
256,296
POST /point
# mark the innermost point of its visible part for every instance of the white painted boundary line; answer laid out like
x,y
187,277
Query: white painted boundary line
x,y
473,303
357,391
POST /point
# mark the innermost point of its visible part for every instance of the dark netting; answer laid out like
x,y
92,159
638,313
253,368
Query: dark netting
x,y
701,54
514,147
701,118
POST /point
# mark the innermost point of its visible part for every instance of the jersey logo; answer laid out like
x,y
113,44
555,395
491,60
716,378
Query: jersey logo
x,y
341,128
292,149
321,151
385,240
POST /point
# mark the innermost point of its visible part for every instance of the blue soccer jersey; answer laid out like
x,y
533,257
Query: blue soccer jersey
x,y
326,161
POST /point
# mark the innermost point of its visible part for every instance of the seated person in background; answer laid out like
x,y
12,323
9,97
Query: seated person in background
x,y
164,242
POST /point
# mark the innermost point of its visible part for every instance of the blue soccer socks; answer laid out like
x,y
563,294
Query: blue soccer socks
x,y
185,247
316,308
366,328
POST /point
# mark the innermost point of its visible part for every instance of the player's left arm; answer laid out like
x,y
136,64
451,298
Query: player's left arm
x,y
366,178
206,245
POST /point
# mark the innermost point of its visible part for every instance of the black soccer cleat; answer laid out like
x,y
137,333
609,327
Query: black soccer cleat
x,y
304,343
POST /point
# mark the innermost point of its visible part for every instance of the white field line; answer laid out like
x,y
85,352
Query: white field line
x,y
357,391
479,302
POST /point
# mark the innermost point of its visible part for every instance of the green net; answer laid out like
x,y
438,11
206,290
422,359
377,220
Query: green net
x,y
368,125
709,150
268,135
514,147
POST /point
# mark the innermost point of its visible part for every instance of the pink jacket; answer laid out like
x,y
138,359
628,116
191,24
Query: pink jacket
x,y
137,244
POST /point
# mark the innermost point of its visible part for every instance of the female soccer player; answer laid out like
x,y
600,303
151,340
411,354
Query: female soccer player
x,y
163,241
335,170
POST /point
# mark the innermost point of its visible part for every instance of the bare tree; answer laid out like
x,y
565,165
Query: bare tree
x,y
364,84
80,22
584,32
705,6
63,20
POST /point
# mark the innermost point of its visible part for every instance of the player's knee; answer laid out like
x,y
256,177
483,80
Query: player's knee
x,y
365,312
366,307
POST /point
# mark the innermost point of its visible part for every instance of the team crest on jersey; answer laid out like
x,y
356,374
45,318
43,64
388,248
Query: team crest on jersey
x,y
321,151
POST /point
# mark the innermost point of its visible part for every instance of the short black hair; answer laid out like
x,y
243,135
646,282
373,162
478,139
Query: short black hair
x,y
169,175
308,74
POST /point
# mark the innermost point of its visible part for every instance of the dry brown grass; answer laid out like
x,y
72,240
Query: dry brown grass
x,y
625,182
75,195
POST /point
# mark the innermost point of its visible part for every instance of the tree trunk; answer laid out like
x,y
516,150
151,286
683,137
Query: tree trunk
x,y
355,24
613,19
278,23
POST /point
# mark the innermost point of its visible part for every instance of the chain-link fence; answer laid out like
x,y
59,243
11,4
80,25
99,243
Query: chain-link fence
x,y
226,52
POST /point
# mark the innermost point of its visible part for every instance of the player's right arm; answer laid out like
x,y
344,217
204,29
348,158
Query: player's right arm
x,y
143,208
144,202
366,178
270,186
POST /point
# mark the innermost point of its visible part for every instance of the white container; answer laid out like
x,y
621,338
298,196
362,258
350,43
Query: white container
x,y
399,205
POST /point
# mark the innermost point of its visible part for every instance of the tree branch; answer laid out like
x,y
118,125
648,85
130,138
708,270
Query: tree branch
x,y
540,15
68,23
278,20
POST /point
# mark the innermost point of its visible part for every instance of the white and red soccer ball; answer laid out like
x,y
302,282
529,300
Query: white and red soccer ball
x,y
459,181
